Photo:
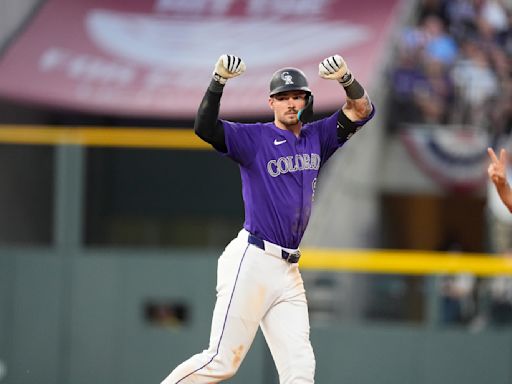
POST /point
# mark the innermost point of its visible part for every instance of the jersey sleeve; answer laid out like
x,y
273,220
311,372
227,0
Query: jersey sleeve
x,y
328,128
347,128
328,135
242,141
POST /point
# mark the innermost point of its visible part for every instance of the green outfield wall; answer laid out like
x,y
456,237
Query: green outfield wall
x,y
82,317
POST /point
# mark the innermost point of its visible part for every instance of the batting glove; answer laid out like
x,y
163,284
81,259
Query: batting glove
x,y
228,66
335,68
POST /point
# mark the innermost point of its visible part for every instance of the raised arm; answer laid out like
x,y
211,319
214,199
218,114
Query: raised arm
x,y
207,124
358,107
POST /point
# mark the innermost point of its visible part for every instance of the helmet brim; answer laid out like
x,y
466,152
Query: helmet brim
x,y
289,88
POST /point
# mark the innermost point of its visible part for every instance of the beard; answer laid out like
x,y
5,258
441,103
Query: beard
x,y
288,120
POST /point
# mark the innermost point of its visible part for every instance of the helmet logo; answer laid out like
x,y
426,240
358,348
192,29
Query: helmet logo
x,y
287,78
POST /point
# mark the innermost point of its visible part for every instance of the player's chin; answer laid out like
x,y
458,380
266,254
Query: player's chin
x,y
292,119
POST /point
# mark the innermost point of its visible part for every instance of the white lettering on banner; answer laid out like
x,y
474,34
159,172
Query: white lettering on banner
x,y
52,58
299,162
254,7
182,45
217,7
85,67
159,80
287,7
99,95
94,70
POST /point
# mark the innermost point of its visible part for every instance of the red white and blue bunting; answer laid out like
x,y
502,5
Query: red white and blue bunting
x,y
455,158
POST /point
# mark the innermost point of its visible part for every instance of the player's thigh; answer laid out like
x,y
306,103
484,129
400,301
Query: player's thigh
x,y
286,330
235,322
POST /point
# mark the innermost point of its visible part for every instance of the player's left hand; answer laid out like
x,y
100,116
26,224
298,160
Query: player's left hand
x,y
335,68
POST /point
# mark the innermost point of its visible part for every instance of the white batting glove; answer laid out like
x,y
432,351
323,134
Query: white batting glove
x,y
228,66
335,68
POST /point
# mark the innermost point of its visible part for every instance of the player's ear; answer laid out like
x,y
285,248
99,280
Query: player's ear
x,y
271,103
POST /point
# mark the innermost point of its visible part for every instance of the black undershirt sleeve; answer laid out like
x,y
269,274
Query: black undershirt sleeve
x,y
345,127
207,124
354,90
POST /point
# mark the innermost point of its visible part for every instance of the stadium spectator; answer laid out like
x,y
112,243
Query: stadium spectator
x,y
454,66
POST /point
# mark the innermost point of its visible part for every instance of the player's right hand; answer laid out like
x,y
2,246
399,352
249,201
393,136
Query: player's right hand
x,y
228,66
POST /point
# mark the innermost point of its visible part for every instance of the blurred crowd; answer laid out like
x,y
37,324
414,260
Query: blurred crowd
x,y
453,66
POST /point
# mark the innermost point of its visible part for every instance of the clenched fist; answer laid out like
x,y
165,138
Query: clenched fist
x,y
228,66
335,68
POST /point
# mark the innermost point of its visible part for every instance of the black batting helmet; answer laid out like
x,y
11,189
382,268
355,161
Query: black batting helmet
x,y
288,79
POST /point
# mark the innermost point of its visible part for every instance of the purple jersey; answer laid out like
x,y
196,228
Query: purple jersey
x,y
279,173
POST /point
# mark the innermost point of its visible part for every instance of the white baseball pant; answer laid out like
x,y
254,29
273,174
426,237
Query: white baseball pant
x,y
255,288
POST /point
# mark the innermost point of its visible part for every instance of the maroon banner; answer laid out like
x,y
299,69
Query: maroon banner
x,y
155,58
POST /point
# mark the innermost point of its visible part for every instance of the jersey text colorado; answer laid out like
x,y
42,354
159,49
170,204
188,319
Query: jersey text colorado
x,y
299,162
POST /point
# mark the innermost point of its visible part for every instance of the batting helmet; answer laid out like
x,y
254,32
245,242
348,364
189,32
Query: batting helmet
x,y
288,79
293,79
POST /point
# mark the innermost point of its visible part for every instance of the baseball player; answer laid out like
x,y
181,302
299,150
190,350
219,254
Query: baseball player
x,y
258,279
497,172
